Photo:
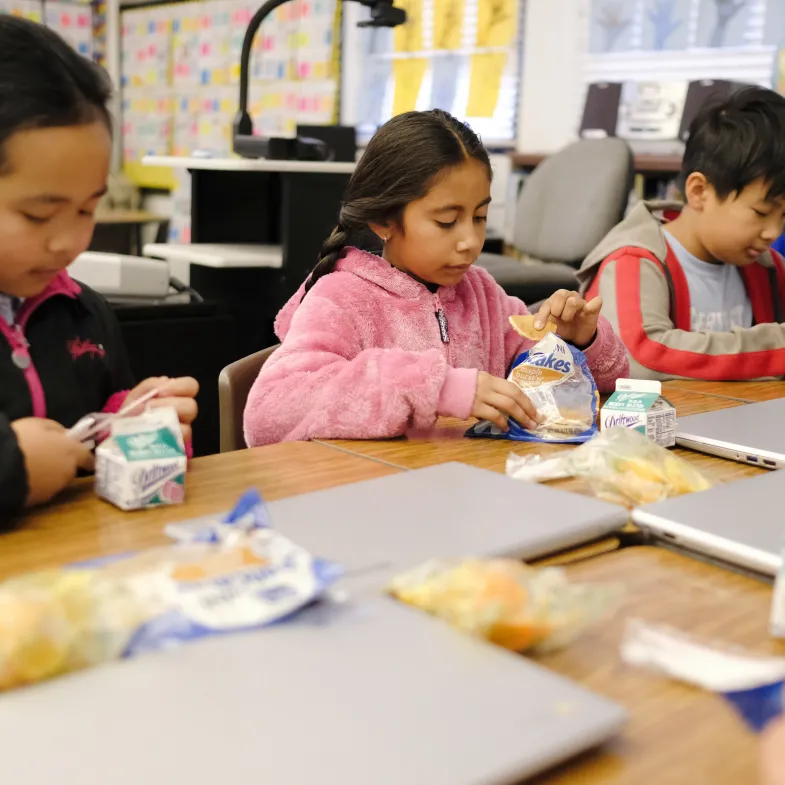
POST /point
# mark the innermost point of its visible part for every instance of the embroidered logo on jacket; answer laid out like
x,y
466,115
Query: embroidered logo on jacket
x,y
79,348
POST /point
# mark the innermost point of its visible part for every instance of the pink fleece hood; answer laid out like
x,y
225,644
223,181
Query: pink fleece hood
x,y
372,353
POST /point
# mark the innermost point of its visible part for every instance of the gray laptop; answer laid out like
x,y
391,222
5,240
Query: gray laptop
x,y
366,694
379,527
740,523
754,433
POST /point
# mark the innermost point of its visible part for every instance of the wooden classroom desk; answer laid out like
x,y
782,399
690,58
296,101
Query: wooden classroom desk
x,y
447,443
676,734
79,526
749,392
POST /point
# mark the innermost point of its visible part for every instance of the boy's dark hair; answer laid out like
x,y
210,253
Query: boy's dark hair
x,y
44,83
398,167
739,140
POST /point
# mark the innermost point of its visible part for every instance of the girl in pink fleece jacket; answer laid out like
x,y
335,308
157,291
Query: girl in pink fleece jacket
x,y
373,346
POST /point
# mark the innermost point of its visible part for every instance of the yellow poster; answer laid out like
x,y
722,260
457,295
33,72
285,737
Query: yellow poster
x,y
408,73
447,24
408,36
496,22
484,82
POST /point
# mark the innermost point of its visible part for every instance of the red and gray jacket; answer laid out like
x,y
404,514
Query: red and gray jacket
x,y
62,359
647,300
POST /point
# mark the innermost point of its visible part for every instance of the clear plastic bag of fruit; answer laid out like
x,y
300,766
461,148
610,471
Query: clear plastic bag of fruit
x,y
621,465
506,602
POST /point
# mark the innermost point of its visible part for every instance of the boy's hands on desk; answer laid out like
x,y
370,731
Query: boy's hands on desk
x,y
177,393
576,320
497,399
52,458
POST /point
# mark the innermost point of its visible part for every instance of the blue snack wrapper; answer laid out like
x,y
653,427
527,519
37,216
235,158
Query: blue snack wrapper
x,y
752,684
556,378
224,575
757,706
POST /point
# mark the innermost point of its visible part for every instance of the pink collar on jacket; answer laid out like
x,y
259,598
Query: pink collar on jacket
x,y
375,270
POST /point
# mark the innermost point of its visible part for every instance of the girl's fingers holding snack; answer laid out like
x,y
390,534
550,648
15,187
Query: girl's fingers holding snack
x,y
186,408
572,306
487,412
145,387
593,306
520,400
511,406
182,387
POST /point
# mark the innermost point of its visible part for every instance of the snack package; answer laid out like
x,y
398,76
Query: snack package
x,y
505,602
142,463
556,377
622,466
752,684
237,574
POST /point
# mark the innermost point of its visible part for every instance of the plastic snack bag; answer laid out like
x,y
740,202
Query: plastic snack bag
x,y
505,602
237,574
556,377
751,683
622,466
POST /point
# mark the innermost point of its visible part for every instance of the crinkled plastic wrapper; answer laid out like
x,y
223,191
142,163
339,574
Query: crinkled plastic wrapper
x,y
506,602
237,574
751,683
556,378
621,465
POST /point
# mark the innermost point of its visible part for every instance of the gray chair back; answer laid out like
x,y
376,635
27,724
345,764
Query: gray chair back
x,y
234,384
573,199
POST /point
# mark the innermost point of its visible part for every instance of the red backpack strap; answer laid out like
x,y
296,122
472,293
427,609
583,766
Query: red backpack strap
x,y
778,294
673,274
758,283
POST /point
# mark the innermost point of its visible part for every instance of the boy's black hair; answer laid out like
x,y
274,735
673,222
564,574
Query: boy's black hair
x,y
44,83
739,140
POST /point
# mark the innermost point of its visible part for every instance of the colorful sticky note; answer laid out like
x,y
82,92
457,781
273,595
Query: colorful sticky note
x,y
408,74
496,22
485,78
447,24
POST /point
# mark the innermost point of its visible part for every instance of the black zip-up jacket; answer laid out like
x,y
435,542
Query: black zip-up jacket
x,y
62,359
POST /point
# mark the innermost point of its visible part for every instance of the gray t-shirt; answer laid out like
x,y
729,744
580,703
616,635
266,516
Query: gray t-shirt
x,y
718,298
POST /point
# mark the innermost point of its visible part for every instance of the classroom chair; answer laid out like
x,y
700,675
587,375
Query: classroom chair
x,y
566,206
234,384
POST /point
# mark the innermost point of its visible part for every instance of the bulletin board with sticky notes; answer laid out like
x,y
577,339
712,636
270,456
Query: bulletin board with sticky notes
x,y
180,74
463,56
82,23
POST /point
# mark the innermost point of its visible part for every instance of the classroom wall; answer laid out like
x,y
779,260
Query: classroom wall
x,y
566,48
555,46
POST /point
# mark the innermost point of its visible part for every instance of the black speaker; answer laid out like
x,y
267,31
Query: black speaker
x,y
698,94
601,110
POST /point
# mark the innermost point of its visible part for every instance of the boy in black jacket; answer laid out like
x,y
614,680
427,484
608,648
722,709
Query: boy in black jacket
x,y
61,354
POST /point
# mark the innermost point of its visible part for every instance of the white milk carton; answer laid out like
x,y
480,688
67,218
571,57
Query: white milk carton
x,y
143,462
639,405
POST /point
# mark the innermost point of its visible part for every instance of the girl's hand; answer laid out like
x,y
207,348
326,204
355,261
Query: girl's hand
x,y
52,458
177,393
497,399
576,320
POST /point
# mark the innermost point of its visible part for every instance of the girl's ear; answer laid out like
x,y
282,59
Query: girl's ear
x,y
382,231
